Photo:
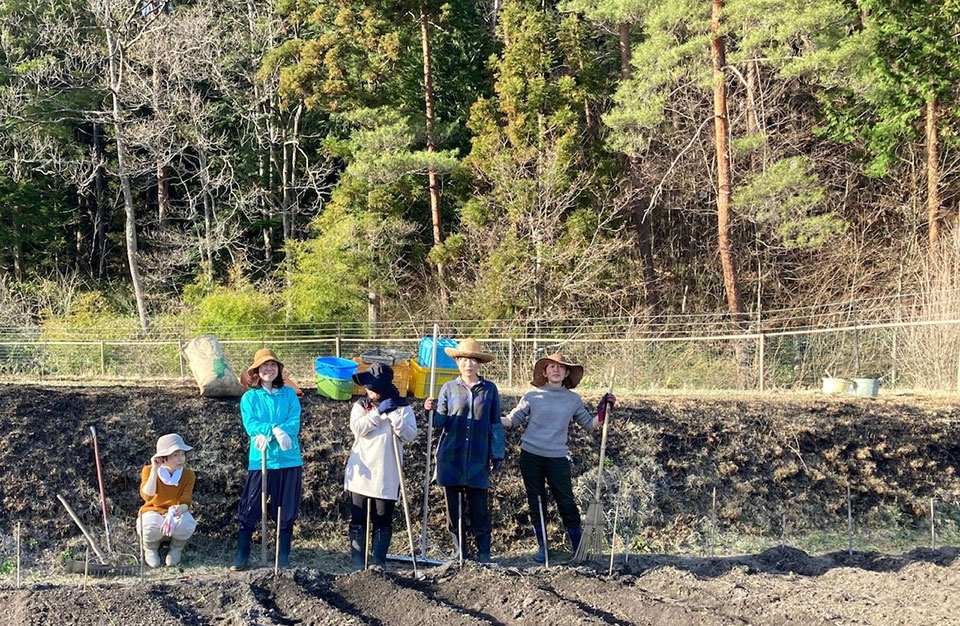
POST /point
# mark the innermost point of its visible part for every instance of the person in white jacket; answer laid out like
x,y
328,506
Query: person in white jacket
x,y
372,477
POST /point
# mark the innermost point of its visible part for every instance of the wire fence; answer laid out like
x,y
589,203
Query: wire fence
x,y
909,353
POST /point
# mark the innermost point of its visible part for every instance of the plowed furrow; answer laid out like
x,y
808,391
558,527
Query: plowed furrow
x,y
505,597
390,601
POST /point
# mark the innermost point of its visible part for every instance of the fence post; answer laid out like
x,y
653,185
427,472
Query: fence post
x,y
103,359
510,362
183,373
336,346
763,356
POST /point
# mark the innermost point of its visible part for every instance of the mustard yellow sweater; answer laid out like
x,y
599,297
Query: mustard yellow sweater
x,y
166,495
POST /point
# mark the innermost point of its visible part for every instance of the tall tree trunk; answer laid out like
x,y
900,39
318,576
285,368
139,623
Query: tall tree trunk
x,y
431,145
115,52
722,131
753,121
208,209
163,193
98,250
373,307
933,173
637,207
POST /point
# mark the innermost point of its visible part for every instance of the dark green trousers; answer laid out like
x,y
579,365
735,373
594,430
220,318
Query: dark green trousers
x,y
539,472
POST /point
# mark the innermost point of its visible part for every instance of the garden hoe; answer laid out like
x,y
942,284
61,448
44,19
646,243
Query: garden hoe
x,y
592,541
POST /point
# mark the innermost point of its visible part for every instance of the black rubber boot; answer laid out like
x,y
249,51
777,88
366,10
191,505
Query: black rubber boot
x,y
358,545
283,548
483,548
541,555
576,533
243,550
381,544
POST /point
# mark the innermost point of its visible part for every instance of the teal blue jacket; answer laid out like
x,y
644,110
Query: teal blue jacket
x,y
261,411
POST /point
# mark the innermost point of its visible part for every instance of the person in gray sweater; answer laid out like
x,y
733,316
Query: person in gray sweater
x,y
546,413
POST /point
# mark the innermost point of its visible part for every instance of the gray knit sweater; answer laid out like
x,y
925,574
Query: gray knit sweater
x,y
547,412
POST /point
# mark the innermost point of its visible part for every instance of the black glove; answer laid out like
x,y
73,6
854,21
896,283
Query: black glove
x,y
387,405
497,465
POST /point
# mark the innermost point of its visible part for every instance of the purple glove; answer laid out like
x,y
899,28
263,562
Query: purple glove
x,y
387,406
608,399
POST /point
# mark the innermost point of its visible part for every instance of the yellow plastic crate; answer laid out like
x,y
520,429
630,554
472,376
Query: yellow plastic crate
x,y
420,379
401,377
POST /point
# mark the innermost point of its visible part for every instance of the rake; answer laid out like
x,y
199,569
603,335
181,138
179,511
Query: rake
x,y
592,543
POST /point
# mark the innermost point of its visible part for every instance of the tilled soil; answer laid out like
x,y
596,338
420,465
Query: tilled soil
x,y
775,465
917,588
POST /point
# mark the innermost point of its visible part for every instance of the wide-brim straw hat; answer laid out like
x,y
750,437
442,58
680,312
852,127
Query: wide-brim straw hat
x,y
574,371
168,444
262,356
470,348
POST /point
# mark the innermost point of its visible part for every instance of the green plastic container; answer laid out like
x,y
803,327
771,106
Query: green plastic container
x,y
334,388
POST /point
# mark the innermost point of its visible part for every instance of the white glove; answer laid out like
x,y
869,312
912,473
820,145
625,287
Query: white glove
x,y
283,439
169,523
260,442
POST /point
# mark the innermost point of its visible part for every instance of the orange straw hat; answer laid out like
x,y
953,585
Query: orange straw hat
x,y
470,348
262,356
574,371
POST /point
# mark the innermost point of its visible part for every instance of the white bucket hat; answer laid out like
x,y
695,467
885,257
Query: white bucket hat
x,y
168,444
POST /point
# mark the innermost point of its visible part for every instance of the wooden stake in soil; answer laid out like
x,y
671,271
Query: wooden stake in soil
x,y
933,534
276,556
849,523
616,515
18,555
543,531
142,552
713,523
86,567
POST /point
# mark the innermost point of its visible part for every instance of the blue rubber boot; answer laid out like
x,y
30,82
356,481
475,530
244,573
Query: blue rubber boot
x,y
283,548
541,555
575,533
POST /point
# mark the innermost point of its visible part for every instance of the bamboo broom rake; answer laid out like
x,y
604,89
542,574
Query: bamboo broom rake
x,y
592,541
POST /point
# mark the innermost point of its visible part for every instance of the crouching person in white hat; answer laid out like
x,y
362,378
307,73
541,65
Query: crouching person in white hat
x,y
166,486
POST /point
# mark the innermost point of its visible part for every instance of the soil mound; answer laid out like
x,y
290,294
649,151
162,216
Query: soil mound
x,y
778,465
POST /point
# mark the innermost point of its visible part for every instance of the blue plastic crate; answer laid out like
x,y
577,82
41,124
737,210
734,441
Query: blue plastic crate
x,y
334,367
426,352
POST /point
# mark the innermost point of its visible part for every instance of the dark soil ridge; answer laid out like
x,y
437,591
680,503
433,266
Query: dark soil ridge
x,y
913,588
774,462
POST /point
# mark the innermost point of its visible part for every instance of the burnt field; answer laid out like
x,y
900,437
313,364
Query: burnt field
x,y
779,466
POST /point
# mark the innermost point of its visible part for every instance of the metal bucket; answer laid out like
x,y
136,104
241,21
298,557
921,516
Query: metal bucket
x,y
866,387
837,385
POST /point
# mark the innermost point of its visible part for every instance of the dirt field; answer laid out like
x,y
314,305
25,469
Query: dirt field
x,y
779,466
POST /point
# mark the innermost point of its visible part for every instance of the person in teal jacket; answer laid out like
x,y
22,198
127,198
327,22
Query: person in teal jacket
x,y
271,418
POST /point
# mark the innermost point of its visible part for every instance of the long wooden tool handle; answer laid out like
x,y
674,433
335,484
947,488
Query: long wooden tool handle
x,y
103,495
83,529
603,441
403,499
263,506
426,472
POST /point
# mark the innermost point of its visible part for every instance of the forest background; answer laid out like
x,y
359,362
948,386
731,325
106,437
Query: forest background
x,y
204,164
